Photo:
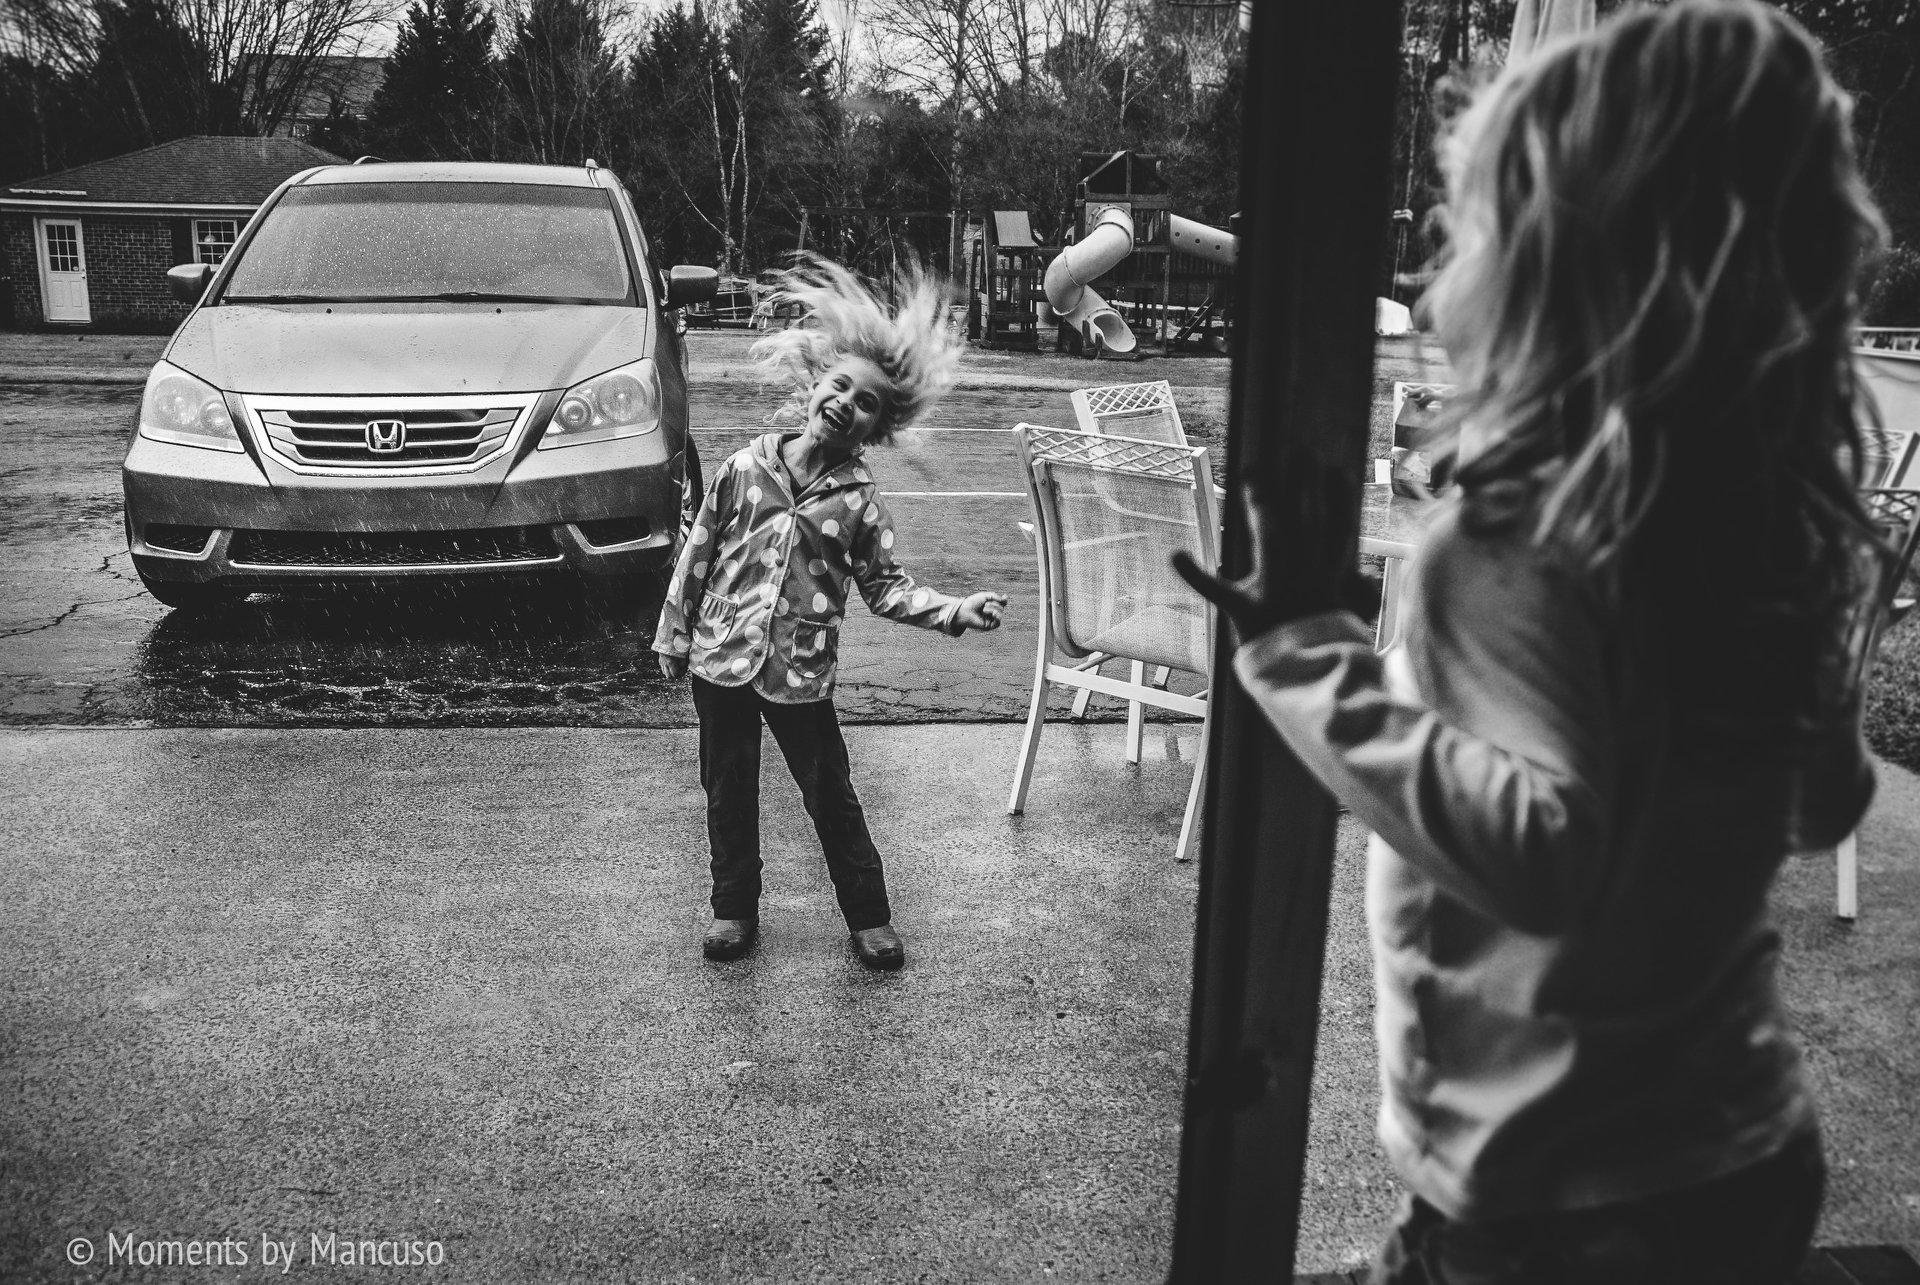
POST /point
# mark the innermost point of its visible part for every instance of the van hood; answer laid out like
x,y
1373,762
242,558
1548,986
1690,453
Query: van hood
x,y
358,349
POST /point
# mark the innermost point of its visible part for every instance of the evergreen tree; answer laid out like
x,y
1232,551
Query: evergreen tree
x,y
438,101
562,82
152,82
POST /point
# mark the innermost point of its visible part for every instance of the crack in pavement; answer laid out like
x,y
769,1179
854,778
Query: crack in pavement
x,y
54,623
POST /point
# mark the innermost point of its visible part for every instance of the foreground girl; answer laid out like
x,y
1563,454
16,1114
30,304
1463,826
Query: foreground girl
x,y
756,600
1625,692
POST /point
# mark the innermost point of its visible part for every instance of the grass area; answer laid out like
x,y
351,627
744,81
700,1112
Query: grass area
x,y
1893,694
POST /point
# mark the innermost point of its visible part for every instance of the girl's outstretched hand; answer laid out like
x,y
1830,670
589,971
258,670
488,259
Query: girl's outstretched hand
x,y
982,610
674,667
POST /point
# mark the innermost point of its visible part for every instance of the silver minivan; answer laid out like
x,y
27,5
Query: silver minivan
x,y
436,369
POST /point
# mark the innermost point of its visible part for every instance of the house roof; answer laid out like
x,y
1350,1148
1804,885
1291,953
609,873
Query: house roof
x,y
199,171
350,81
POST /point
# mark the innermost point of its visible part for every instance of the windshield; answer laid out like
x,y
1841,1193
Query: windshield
x,y
483,242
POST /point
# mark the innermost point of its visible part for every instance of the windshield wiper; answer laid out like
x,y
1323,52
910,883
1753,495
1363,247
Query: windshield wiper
x,y
285,298
486,296
445,296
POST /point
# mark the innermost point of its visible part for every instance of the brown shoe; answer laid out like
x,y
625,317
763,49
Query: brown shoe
x,y
880,947
729,938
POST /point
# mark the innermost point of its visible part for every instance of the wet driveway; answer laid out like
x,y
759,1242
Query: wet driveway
x,y
82,644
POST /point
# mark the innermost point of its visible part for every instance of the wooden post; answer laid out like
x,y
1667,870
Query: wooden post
x,y
1315,156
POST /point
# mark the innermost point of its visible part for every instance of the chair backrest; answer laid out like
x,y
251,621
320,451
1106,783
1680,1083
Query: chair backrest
x,y
1145,411
1109,512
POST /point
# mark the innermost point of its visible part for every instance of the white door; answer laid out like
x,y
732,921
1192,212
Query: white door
x,y
63,270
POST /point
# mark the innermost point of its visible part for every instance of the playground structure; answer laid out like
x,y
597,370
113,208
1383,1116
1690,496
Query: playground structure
x,y
1132,267
1002,315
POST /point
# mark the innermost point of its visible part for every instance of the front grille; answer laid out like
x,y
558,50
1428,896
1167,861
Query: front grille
x,y
180,539
427,436
392,548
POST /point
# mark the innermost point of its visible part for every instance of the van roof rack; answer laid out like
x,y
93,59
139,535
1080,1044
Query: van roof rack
x,y
377,160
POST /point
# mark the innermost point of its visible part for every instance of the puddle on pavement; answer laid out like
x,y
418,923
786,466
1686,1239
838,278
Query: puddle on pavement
x,y
464,655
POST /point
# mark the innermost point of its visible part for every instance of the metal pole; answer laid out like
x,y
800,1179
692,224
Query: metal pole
x,y
1315,189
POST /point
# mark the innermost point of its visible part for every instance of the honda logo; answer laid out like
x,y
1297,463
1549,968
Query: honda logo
x,y
387,436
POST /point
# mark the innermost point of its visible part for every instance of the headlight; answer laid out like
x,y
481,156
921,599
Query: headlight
x,y
620,403
186,411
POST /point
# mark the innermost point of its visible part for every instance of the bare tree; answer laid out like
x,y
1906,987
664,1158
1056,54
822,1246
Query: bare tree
x,y
254,60
268,53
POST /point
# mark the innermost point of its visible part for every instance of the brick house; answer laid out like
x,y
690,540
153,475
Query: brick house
x,y
89,248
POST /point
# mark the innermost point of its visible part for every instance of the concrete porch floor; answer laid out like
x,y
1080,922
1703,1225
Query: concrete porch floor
x,y
444,986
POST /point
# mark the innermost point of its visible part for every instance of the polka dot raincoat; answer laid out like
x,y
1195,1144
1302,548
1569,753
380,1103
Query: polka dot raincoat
x,y
761,585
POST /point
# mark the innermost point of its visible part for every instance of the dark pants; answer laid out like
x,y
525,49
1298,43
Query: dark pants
x,y
809,737
1751,1227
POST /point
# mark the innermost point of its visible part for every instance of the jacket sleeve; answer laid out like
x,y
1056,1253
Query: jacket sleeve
x,y
1508,802
674,635
885,584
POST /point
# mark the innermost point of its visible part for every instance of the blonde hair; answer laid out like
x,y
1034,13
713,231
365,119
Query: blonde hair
x,y
911,341
1657,233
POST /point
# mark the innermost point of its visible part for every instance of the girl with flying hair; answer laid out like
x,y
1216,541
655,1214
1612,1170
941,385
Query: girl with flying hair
x,y
754,606
1624,693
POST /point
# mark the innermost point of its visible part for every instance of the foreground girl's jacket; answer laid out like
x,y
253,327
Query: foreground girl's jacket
x,y
1566,889
761,585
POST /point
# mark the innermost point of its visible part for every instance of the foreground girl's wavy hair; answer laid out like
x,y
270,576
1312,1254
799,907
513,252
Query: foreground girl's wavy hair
x,y
1657,234
911,341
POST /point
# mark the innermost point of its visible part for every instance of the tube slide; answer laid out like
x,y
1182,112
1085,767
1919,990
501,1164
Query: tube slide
x,y
1110,241
1202,241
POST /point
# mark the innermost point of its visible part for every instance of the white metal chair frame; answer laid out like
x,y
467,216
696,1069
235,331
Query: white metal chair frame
x,y
1039,448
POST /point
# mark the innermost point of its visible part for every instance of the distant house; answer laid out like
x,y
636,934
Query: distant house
x,y
338,88
91,246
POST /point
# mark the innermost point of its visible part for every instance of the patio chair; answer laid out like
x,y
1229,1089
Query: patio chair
x,y
1890,457
1896,511
1144,411
1109,512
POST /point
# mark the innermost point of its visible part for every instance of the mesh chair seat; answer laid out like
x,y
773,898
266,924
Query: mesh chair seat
x,y
1153,632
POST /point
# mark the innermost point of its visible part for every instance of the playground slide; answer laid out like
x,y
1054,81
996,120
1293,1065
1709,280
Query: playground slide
x,y
1202,241
1111,241
1094,254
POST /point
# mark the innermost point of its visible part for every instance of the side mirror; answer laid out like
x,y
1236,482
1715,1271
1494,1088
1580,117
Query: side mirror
x,y
188,281
688,284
